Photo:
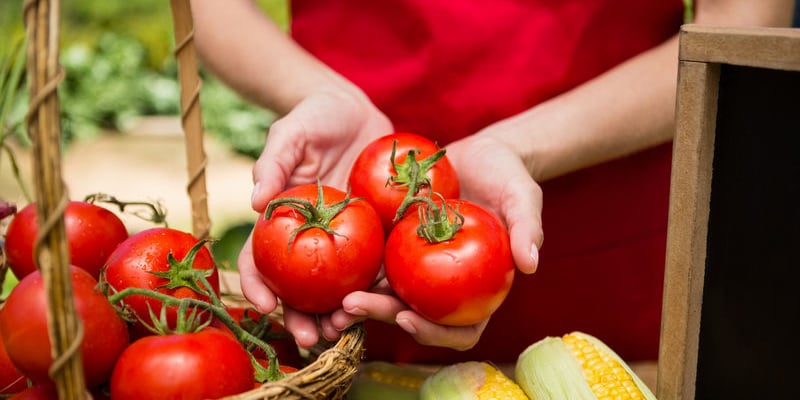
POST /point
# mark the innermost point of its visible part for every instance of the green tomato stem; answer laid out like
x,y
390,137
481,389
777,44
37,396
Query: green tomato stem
x,y
412,174
435,225
156,214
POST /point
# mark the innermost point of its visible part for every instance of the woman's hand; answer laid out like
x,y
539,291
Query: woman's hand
x,y
319,139
493,175
381,304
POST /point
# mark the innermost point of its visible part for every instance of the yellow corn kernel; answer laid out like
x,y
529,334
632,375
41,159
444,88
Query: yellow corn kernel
x,y
497,386
607,378
577,366
470,380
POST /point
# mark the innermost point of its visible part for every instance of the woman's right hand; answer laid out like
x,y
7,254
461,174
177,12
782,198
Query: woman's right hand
x,y
320,138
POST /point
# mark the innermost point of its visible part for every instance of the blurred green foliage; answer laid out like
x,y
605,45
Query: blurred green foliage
x,y
8,283
119,66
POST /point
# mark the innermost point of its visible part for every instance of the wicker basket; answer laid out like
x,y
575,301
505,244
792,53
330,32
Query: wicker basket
x,y
331,373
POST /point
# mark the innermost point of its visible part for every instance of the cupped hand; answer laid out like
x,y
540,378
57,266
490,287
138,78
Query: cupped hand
x,y
319,139
516,198
381,304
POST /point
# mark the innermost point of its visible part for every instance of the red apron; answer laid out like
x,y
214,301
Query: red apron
x,y
448,68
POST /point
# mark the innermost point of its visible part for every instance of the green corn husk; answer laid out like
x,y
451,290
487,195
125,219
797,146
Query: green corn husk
x,y
382,380
472,380
550,370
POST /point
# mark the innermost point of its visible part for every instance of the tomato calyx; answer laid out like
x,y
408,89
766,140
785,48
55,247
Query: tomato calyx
x,y
186,321
317,215
435,225
182,274
412,174
155,211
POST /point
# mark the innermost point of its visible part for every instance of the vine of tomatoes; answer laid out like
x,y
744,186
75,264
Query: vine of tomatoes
x,y
153,270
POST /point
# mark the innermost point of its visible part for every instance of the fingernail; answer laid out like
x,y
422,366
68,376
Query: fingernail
x,y
256,187
407,326
535,257
356,311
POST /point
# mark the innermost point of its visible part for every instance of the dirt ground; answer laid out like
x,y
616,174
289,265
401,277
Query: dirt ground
x,y
148,163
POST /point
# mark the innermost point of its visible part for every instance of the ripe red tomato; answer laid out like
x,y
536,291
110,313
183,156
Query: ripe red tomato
x,y
11,380
373,168
133,261
92,234
23,327
460,281
44,391
312,270
208,364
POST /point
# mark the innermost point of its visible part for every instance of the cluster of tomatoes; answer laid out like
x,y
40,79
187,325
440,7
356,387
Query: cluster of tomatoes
x,y
152,322
447,258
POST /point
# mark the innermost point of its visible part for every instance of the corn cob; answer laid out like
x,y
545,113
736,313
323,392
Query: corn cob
x,y
382,380
470,380
577,366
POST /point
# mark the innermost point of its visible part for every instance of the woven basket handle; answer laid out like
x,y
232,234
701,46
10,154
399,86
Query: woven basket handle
x,y
43,124
191,117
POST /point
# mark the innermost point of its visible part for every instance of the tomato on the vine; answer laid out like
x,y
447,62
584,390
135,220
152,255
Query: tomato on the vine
x,y
314,244
460,280
24,329
385,182
206,364
136,262
92,233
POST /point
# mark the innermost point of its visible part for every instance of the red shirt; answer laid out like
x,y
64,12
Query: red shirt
x,y
448,68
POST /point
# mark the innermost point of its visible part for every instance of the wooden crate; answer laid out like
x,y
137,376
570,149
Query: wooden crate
x,y
732,267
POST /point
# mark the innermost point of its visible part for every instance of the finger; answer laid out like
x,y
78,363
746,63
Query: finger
x,y
340,320
277,162
428,333
302,326
329,332
522,213
253,286
358,306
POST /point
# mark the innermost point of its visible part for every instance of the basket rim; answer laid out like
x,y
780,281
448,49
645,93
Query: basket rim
x,y
328,376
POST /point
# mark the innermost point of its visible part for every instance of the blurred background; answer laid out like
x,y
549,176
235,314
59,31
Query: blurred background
x,y
120,106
